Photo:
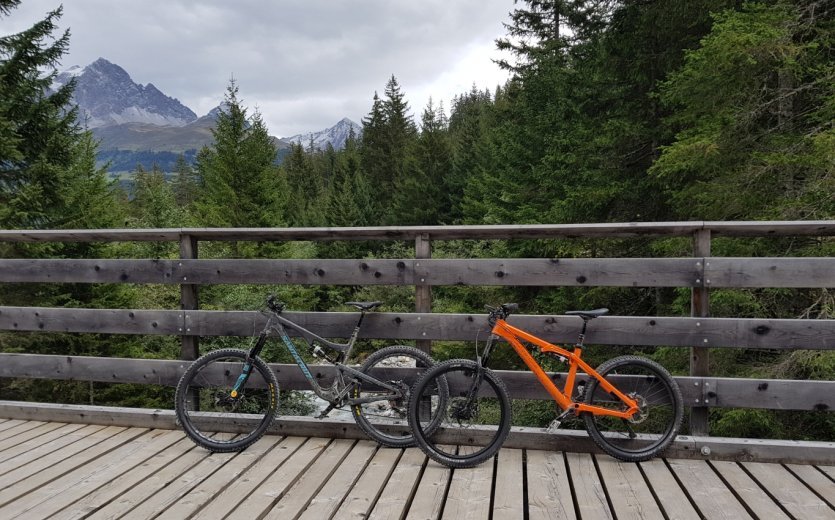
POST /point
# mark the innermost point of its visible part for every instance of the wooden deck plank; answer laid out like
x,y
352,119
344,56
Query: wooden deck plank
x,y
401,485
95,445
60,493
628,492
709,493
236,492
792,494
820,483
147,489
509,488
366,491
549,489
116,487
104,472
751,494
10,423
18,429
172,492
37,473
202,493
591,497
47,454
27,447
279,482
312,481
428,501
470,490
672,498
330,497
29,436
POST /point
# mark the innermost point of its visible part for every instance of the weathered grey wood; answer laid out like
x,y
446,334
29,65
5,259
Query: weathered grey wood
x,y
51,453
104,321
311,481
469,491
670,496
627,490
198,497
509,493
30,441
402,484
276,486
19,482
51,498
699,352
366,491
236,491
136,496
769,272
708,492
720,392
748,491
535,231
549,487
329,498
422,272
189,344
428,500
608,330
588,489
792,494
29,437
20,427
816,480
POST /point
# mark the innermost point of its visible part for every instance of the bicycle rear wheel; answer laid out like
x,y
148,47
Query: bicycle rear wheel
x,y
657,421
384,417
205,402
475,418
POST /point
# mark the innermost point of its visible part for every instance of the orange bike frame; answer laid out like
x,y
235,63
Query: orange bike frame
x,y
513,336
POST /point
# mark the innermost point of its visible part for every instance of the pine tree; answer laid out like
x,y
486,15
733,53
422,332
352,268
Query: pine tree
x,y
185,183
422,195
241,186
38,131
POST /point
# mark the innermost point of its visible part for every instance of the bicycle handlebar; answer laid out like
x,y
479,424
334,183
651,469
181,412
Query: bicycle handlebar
x,y
274,305
501,312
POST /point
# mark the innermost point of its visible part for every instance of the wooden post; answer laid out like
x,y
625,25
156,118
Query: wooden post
x,y
423,293
189,348
699,355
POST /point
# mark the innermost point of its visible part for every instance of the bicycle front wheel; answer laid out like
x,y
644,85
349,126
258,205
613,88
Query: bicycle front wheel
x,y
215,415
382,414
657,421
474,418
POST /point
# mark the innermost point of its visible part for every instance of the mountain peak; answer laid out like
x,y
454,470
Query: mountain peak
x,y
336,135
106,95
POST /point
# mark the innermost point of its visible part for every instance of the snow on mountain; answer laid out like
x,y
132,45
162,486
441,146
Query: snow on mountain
x,y
106,95
336,135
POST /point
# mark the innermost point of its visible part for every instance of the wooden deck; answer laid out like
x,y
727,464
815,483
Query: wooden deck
x,y
59,470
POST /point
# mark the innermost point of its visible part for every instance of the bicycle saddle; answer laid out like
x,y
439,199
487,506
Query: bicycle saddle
x,y
587,315
364,306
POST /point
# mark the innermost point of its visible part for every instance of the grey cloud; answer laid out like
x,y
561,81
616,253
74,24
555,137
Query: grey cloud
x,y
304,58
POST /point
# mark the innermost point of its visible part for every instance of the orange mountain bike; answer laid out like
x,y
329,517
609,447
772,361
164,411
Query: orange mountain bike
x,y
631,406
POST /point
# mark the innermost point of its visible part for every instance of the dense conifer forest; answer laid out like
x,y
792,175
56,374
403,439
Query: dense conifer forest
x,y
616,111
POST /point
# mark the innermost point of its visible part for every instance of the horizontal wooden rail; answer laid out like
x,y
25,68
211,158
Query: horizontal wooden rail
x,y
714,392
713,272
498,232
608,330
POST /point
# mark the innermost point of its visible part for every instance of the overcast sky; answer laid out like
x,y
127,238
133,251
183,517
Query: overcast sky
x,y
304,64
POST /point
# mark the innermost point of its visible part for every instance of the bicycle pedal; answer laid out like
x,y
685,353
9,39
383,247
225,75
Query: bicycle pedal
x,y
554,426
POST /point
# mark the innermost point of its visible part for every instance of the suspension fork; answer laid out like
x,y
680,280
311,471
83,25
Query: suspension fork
x,y
247,369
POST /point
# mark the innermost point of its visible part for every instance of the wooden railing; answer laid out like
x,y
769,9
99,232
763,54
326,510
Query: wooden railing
x,y
699,332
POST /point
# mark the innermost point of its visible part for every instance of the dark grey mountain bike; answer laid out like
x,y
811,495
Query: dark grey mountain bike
x,y
234,389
